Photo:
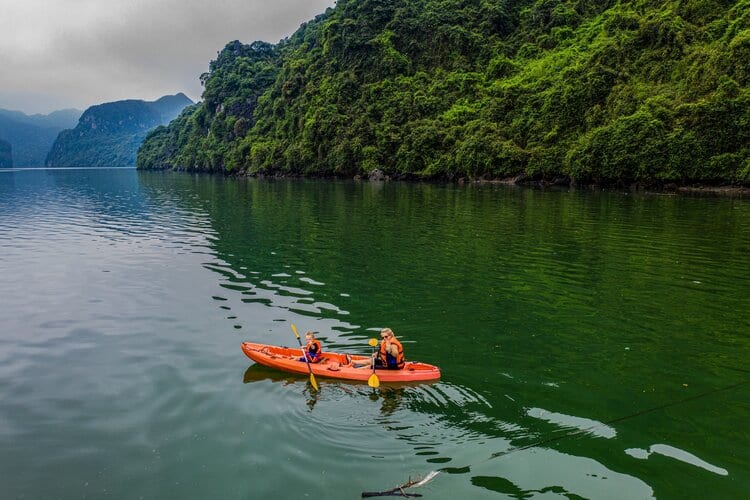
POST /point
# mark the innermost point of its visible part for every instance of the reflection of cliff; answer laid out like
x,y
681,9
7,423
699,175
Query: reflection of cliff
x,y
481,278
97,193
490,283
526,274
106,192
543,310
345,250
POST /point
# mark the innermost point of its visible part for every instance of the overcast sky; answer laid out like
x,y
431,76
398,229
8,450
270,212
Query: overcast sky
x,y
58,54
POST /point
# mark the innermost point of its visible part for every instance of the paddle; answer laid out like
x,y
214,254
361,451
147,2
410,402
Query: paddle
x,y
312,377
373,381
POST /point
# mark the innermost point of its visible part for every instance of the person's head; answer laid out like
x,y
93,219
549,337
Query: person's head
x,y
386,333
310,336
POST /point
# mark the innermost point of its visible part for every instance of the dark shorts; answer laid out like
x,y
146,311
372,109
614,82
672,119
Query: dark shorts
x,y
379,364
314,360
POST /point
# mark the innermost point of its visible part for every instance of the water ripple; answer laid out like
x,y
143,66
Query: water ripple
x,y
125,298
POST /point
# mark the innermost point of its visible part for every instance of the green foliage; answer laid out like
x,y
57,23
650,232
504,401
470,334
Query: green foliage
x,y
605,92
630,149
110,134
206,136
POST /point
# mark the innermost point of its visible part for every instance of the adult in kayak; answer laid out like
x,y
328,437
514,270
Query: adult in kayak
x,y
391,354
313,350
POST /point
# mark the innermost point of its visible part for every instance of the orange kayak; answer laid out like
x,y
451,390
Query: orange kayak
x,y
336,365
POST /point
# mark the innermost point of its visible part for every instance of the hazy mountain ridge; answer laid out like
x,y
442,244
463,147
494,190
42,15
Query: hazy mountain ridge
x,y
62,118
109,134
32,136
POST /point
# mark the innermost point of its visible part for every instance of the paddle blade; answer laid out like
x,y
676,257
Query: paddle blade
x,y
373,381
373,342
313,382
294,329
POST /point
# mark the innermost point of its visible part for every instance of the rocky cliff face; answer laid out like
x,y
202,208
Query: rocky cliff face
x,y
109,134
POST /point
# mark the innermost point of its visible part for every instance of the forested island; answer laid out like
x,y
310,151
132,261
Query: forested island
x,y
594,92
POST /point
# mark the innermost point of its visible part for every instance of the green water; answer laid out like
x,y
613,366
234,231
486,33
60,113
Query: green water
x,y
552,314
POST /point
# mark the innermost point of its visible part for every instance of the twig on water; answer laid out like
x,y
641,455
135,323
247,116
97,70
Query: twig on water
x,y
398,491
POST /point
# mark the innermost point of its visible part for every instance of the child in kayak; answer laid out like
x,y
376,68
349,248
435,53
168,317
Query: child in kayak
x,y
391,355
313,349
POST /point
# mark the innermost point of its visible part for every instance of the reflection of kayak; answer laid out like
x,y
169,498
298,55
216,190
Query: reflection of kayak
x,y
334,365
257,372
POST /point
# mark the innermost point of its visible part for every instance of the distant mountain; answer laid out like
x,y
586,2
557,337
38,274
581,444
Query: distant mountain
x,y
63,118
110,134
170,106
6,160
31,136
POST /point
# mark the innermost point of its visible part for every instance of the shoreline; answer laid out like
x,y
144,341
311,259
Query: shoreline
x,y
667,189
671,188
728,190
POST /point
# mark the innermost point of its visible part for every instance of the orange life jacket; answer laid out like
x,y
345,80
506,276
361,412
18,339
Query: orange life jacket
x,y
314,351
387,358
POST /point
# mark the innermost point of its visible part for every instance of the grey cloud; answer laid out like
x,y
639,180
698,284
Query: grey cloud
x,y
144,52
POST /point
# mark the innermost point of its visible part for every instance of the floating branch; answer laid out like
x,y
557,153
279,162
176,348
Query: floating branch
x,y
398,491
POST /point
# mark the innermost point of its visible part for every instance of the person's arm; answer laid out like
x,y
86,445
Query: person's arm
x,y
391,349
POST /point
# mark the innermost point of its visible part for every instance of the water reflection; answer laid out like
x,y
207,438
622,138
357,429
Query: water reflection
x,y
677,454
529,472
417,415
520,296
257,373
585,425
124,305
509,465
391,398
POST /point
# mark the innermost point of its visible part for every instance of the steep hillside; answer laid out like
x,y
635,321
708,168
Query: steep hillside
x,y
612,92
31,136
109,134
236,79
6,159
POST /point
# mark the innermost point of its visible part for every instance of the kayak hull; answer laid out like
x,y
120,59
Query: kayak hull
x,y
335,365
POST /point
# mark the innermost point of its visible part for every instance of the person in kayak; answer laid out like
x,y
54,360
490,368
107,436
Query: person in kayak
x,y
391,355
313,349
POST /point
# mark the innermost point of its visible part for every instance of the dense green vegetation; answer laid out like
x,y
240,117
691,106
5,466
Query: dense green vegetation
x,y
6,158
607,92
109,134
31,136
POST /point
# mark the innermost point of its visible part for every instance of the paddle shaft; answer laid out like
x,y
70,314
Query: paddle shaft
x,y
304,354
373,381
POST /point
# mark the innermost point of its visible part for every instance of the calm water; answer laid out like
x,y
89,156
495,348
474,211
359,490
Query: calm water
x,y
553,315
